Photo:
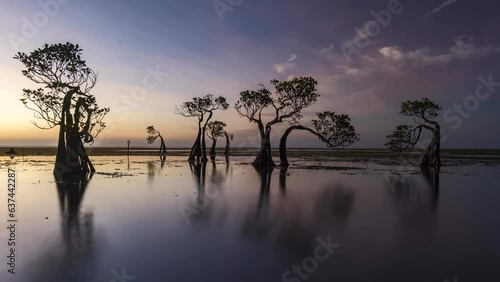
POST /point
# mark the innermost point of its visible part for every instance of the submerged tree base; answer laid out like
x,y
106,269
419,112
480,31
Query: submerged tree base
x,y
264,160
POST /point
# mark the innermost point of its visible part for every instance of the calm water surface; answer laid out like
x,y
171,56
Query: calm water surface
x,y
181,222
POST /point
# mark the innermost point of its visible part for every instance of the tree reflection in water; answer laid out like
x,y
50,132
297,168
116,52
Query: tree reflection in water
x,y
415,204
73,257
209,191
334,204
77,228
153,168
291,221
291,224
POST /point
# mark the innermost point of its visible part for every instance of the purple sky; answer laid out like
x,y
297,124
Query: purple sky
x,y
368,56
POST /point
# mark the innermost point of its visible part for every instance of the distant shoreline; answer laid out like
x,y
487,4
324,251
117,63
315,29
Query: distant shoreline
x,y
485,154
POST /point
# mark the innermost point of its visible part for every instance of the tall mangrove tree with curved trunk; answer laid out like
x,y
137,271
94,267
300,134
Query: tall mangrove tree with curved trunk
x,y
406,137
286,103
64,101
203,109
154,134
215,130
336,131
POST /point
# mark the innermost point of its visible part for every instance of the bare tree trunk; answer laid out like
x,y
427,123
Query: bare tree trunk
x,y
262,143
61,162
432,156
264,159
436,158
72,155
203,144
226,152
203,147
61,144
195,150
87,165
212,150
163,148
283,157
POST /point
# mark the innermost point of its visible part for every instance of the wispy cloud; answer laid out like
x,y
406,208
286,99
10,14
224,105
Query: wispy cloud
x,y
462,49
284,67
361,33
444,5
327,50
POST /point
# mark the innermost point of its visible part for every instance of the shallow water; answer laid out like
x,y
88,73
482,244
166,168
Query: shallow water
x,y
181,222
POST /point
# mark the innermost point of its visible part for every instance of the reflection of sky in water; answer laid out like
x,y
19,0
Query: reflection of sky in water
x,y
390,227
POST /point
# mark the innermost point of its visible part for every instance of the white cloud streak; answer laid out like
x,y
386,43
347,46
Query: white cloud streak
x,y
444,5
285,67
424,57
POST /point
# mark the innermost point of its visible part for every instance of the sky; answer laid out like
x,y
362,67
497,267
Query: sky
x,y
367,55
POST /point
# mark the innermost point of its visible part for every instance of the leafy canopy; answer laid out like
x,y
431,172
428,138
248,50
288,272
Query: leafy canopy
x,y
288,100
423,108
335,130
153,134
61,70
58,66
402,138
406,137
215,129
252,103
199,106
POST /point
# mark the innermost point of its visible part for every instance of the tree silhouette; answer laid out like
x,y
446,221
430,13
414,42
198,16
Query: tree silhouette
x,y
154,134
336,131
228,144
64,101
406,137
215,130
200,107
287,102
